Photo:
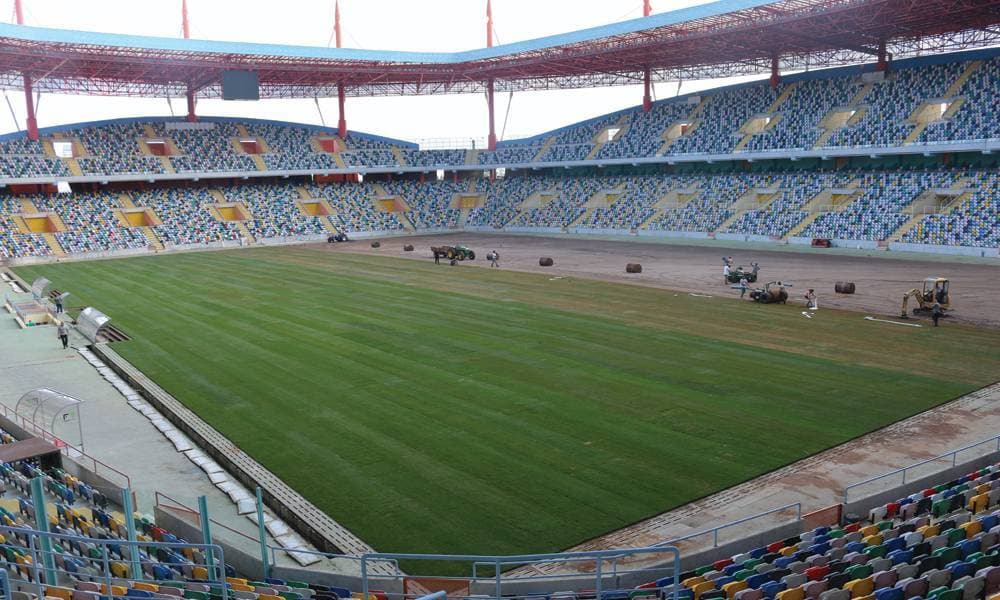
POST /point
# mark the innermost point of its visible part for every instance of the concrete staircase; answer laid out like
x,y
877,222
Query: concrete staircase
x,y
126,201
48,149
242,130
549,141
472,185
220,198
153,239
801,225
339,161
732,219
956,85
245,232
672,200
258,161
74,167
826,201
400,159
601,199
27,206
750,129
910,223
693,120
472,156
54,244
599,141
834,119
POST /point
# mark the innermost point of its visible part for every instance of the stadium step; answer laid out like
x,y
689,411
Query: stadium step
x,y
473,182
19,224
219,196
910,223
48,149
245,232
339,160
27,206
953,108
400,159
785,94
915,133
54,245
168,167
599,140
242,130
472,156
302,192
544,149
258,160
862,94
74,167
729,222
154,240
956,85
463,217
802,225
126,201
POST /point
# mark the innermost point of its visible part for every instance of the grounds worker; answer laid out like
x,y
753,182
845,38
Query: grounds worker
x,y
494,256
63,332
936,313
743,287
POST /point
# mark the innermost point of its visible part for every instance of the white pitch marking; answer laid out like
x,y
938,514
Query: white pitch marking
x,y
893,322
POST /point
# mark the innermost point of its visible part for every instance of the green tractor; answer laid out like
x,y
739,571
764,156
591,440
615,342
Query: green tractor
x,y
456,252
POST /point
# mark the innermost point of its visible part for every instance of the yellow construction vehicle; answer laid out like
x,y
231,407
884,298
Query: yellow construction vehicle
x,y
935,292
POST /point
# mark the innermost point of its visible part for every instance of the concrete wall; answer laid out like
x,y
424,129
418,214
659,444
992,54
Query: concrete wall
x,y
672,234
938,249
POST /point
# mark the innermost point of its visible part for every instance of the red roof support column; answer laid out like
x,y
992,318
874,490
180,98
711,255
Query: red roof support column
x,y
18,12
29,101
775,74
491,141
186,30
191,116
342,122
647,97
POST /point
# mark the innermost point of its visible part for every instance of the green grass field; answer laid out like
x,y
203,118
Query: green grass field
x,y
438,409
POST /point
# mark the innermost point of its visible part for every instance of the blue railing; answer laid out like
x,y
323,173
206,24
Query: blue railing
x,y
899,477
670,563
42,567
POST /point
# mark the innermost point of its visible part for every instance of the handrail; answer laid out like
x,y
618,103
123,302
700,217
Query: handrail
x,y
953,455
215,565
599,556
715,530
181,506
67,449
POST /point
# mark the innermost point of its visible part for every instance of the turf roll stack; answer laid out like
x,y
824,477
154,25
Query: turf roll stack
x,y
633,268
545,261
844,287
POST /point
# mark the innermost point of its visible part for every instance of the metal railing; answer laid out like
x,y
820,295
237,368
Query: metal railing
x,y
714,532
97,560
75,454
930,466
496,583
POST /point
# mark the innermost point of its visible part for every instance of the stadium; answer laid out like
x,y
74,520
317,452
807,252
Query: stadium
x,y
736,343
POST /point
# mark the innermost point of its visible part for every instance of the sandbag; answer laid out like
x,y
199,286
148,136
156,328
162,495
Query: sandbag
x,y
376,244
545,261
844,287
408,248
633,268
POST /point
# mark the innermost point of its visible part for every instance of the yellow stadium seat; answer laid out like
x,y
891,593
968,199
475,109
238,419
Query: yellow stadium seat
x,y
860,588
873,540
971,528
236,580
734,586
239,587
690,582
796,593
979,503
199,573
869,530
59,592
789,550
149,587
701,588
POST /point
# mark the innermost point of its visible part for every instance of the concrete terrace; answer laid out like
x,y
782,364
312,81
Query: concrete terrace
x,y
119,436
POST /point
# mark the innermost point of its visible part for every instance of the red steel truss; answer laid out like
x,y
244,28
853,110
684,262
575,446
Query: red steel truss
x,y
801,33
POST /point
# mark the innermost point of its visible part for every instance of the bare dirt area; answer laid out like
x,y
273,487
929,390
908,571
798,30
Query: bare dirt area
x,y
881,278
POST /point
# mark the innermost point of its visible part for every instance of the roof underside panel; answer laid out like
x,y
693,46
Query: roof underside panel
x,y
720,39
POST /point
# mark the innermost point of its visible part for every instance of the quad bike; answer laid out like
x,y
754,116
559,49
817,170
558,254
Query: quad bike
x,y
935,291
773,292
337,237
740,273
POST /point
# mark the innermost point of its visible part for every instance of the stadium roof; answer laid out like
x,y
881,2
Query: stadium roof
x,y
719,39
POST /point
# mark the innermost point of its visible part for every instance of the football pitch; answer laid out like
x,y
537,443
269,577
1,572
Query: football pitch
x,y
458,410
